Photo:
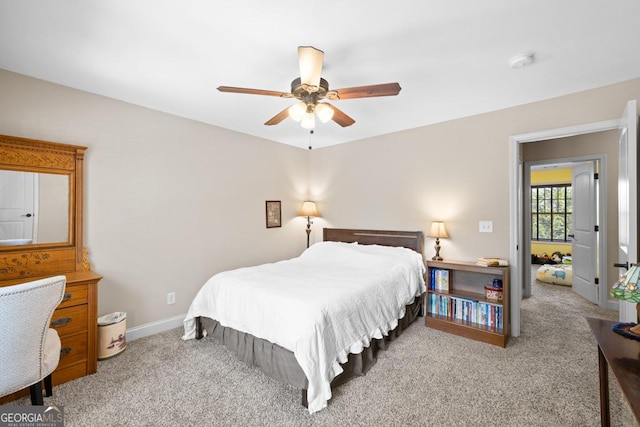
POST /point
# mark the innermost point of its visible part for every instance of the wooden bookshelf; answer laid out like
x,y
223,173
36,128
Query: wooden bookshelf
x,y
463,309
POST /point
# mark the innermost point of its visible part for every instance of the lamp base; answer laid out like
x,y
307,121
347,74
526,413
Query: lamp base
x,y
437,256
308,230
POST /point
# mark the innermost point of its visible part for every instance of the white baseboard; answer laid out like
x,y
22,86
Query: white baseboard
x,y
612,304
155,327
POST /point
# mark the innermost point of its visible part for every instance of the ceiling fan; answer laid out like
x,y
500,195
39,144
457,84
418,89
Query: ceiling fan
x,y
310,89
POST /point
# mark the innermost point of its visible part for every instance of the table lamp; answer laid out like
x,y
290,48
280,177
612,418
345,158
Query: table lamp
x,y
439,232
626,289
309,210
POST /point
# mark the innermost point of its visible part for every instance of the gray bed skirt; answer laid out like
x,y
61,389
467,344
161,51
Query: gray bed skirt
x,y
280,363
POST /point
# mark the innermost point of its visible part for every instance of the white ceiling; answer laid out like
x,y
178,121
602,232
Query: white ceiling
x,y
450,56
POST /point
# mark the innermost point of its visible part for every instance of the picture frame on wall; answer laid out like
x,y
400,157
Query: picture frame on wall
x,y
274,213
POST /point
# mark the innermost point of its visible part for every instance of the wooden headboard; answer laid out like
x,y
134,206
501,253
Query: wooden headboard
x,y
407,239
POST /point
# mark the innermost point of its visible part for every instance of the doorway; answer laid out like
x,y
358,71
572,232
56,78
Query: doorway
x,y
562,220
626,213
516,188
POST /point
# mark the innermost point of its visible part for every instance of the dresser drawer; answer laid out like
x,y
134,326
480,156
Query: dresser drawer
x,y
67,373
74,349
74,295
70,320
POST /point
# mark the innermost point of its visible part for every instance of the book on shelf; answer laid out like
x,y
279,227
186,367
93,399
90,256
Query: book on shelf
x,y
441,279
492,262
467,310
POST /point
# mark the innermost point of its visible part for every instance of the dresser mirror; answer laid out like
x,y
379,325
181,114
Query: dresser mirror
x,y
41,208
34,208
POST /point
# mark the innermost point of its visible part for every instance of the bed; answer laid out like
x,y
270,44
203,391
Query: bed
x,y
317,320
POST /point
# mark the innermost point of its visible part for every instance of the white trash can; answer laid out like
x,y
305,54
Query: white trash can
x,y
112,334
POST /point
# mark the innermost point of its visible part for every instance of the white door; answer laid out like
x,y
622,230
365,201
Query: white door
x,y
584,241
16,205
628,198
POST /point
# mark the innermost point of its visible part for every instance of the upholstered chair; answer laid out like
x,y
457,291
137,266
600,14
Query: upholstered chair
x,y
29,349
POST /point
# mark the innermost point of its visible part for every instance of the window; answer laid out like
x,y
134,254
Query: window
x,y
551,207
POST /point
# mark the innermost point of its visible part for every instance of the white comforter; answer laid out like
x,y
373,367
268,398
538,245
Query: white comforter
x,y
329,302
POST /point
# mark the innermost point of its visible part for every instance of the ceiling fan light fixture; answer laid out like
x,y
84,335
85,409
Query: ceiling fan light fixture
x,y
310,89
297,111
310,63
324,112
308,121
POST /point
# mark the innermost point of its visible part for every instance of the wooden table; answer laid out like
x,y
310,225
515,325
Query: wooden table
x,y
623,356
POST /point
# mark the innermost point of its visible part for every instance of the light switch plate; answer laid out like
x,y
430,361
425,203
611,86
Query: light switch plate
x,y
171,298
486,226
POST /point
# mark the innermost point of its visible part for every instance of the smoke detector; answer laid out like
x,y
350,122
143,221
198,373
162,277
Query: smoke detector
x,y
521,60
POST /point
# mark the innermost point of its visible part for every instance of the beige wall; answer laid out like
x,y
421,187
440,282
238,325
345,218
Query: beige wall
x,y
457,171
169,201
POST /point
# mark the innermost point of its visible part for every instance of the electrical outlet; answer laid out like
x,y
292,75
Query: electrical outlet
x,y
171,298
486,226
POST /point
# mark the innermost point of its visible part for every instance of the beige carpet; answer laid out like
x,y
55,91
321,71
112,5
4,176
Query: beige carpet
x,y
546,377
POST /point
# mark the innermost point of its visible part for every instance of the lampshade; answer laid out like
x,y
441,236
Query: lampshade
x,y
626,288
324,112
296,111
309,209
310,63
308,121
437,230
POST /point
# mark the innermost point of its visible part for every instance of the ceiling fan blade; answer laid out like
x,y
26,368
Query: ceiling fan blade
x,y
278,117
384,89
248,91
340,117
310,63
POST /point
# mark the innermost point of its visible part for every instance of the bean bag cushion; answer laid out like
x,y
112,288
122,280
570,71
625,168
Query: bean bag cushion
x,y
557,274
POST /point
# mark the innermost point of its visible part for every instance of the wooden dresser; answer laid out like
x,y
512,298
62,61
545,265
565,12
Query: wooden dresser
x,y
76,317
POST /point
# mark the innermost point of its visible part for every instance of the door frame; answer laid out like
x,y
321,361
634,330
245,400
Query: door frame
x,y
516,213
601,183
629,156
